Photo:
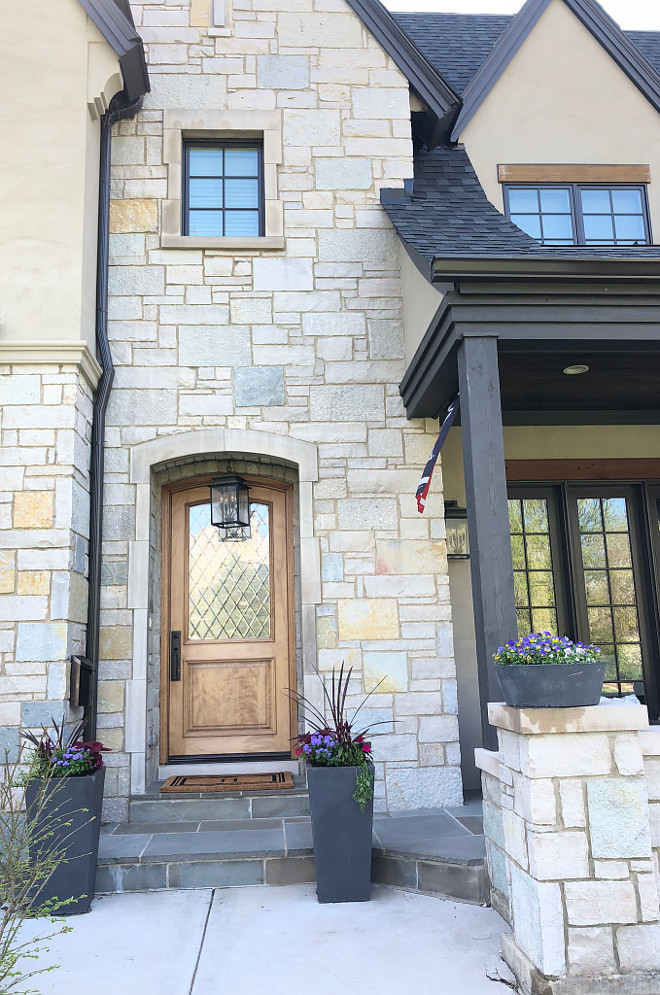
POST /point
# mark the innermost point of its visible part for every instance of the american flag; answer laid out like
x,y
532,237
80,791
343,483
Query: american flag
x,y
425,482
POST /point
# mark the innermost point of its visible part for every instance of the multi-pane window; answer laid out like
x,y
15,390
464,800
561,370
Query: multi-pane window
x,y
609,585
583,557
223,190
532,565
572,214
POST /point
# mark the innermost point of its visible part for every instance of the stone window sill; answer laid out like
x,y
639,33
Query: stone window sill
x,y
201,242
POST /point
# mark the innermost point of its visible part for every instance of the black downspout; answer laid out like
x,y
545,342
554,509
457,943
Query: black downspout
x,y
119,108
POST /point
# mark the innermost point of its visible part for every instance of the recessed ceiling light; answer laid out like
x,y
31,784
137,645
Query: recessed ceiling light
x,y
574,370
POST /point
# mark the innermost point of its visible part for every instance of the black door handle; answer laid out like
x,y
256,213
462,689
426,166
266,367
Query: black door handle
x,y
175,655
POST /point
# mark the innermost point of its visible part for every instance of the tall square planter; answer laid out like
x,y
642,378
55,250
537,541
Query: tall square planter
x,y
77,801
341,834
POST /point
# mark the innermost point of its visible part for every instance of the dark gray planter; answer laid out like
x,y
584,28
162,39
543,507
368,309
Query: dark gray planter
x,y
551,685
341,834
78,801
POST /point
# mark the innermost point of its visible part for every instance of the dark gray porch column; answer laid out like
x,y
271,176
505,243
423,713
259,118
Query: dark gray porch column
x,y
488,521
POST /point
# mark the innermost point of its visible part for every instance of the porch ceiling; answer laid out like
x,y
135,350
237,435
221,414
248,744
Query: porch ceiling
x,y
540,331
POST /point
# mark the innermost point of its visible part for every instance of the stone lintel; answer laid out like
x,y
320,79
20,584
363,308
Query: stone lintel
x,y
51,352
548,721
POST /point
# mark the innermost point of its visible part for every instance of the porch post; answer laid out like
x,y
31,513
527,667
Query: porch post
x,y
491,567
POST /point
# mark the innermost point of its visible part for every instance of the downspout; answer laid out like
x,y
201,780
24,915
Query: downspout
x,y
119,108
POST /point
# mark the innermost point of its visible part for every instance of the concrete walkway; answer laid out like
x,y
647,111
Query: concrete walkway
x,y
241,941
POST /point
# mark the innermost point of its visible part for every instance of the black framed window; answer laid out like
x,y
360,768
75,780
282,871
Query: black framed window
x,y
223,189
585,559
580,214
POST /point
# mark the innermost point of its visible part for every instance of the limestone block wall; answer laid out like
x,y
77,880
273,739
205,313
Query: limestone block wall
x,y
566,819
650,744
45,414
303,342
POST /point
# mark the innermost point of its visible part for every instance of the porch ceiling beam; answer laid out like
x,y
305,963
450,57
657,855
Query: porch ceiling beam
x,y
491,566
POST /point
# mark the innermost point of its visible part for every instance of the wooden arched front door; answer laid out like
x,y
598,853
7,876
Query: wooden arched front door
x,y
228,646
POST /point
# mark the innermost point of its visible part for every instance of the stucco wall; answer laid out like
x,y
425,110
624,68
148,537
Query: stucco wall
x,y
52,61
562,99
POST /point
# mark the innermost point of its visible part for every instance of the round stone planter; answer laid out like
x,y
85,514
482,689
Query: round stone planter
x,y
71,816
551,685
341,835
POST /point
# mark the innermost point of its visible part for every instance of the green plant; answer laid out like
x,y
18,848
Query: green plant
x,y
336,744
59,755
543,648
27,861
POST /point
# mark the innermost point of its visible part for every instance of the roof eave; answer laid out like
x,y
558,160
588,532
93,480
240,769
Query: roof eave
x,y
504,267
120,33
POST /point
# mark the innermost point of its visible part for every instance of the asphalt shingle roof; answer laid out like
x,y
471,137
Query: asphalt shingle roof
x,y
449,215
457,45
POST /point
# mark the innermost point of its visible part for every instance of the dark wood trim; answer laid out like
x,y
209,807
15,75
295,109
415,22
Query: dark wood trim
x,y
526,471
491,565
572,173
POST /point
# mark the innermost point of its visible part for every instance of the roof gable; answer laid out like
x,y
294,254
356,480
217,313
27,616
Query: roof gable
x,y
600,25
114,20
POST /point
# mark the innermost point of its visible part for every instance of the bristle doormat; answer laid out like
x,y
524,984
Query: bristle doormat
x,y
200,783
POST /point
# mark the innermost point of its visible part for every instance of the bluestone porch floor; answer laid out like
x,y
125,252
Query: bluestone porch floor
x,y
238,941
438,851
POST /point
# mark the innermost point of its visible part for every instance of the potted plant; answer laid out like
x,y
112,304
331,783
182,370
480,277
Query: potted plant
x,y
64,796
340,778
545,671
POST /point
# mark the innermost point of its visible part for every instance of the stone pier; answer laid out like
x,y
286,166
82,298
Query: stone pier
x,y
571,805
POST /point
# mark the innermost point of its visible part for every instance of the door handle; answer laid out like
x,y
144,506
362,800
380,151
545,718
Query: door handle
x,y
175,655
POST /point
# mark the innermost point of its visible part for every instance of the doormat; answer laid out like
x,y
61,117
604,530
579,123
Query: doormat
x,y
200,783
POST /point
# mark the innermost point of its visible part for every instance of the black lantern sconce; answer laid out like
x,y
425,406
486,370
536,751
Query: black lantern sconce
x,y
230,506
456,529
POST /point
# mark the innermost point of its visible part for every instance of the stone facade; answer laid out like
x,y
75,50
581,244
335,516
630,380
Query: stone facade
x,y
572,847
302,344
44,509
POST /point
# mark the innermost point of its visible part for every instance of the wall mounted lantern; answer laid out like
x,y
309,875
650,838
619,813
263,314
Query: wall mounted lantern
x,y
456,529
230,506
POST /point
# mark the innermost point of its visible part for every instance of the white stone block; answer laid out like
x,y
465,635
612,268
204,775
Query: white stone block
x,y
594,903
319,30
283,72
438,729
538,921
591,951
379,102
628,755
555,856
348,323
571,794
282,273
648,897
423,787
311,128
18,388
614,869
569,755
638,948
251,310
535,799
618,818
348,173
515,842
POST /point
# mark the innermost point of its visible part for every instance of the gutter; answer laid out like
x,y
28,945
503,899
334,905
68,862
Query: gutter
x,y
120,107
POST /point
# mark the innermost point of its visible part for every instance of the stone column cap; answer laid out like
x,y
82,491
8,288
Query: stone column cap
x,y
546,721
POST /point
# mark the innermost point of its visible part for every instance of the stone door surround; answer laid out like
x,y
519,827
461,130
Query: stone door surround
x,y
216,442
